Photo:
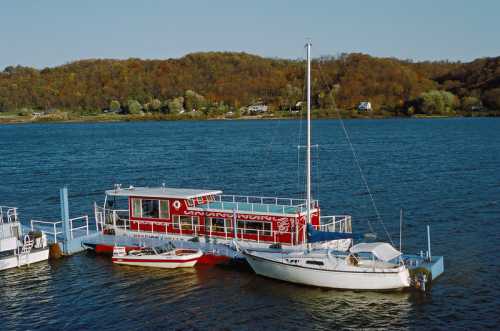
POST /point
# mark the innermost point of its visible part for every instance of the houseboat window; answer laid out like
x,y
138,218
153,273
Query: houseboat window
x,y
164,209
251,227
150,209
187,222
218,224
136,207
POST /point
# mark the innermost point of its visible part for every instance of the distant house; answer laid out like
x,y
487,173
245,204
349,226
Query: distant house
x,y
257,108
297,108
365,106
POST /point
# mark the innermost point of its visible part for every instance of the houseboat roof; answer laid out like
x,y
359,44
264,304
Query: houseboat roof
x,y
161,192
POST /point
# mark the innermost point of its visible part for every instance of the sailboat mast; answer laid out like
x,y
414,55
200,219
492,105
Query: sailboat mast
x,y
308,45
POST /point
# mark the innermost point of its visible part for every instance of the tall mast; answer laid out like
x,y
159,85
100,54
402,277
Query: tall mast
x,y
308,45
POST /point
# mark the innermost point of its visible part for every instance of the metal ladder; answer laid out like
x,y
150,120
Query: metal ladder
x,y
25,251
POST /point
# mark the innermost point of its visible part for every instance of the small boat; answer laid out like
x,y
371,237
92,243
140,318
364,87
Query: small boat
x,y
158,257
16,249
366,266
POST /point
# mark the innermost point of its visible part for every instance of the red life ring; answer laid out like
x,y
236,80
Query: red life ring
x,y
177,204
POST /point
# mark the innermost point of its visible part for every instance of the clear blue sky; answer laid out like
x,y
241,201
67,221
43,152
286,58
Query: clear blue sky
x,y
48,33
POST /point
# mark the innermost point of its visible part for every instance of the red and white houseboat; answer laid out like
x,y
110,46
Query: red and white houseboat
x,y
210,221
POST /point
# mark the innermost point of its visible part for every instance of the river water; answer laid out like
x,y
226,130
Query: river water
x,y
443,172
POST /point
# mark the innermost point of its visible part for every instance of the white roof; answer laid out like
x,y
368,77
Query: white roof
x,y
383,251
161,192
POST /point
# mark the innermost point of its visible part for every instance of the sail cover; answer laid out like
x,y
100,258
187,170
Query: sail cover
x,y
382,251
316,235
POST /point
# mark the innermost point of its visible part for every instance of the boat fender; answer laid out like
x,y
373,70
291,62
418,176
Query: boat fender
x,y
177,204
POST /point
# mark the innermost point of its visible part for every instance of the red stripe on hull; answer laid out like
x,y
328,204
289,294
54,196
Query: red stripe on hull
x,y
211,259
108,249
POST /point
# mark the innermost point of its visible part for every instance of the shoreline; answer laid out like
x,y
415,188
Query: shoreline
x,y
16,119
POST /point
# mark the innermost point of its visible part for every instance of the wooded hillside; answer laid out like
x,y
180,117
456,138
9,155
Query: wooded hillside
x,y
238,79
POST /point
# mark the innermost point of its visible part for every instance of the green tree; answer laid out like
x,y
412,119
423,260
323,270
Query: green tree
x,y
326,100
290,96
175,105
436,102
114,105
155,105
193,100
134,107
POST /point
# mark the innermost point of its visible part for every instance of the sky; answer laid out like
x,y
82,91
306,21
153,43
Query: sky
x,y
54,32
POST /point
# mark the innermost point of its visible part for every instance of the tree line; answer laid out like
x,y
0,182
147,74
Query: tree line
x,y
216,82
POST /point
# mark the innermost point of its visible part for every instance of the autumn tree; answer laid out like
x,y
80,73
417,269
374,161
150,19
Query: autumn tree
x,y
114,105
492,99
468,103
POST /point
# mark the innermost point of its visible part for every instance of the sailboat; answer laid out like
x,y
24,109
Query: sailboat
x,y
364,266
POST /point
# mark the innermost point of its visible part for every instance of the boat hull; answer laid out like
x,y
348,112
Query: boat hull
x,y
14,261
329,278
181,259
209,258
172,264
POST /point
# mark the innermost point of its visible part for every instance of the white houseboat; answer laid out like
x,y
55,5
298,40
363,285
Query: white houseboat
x,y
16,249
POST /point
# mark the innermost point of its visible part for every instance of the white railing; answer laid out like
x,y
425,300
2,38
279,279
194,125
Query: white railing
x,y
119,218
190,229
55,228
85,227
8,214
261,200
337,223
49,228
111,218
262,205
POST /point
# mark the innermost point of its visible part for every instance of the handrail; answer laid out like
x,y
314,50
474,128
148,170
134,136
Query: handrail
x,y
224,232
52,227
8,212
248,198
255,207
85,226
54,224
339,223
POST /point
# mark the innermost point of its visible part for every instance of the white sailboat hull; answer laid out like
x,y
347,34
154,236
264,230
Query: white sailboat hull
x,y
14,261
330,278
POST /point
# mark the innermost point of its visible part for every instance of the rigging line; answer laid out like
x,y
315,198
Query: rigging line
x,y
318,174
379,217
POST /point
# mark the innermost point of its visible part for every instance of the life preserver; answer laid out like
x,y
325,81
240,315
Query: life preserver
x,y
177,204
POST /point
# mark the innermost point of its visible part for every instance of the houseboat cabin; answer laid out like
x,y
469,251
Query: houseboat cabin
x,y
208,214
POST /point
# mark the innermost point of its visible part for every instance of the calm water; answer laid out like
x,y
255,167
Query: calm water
x,y
443,172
